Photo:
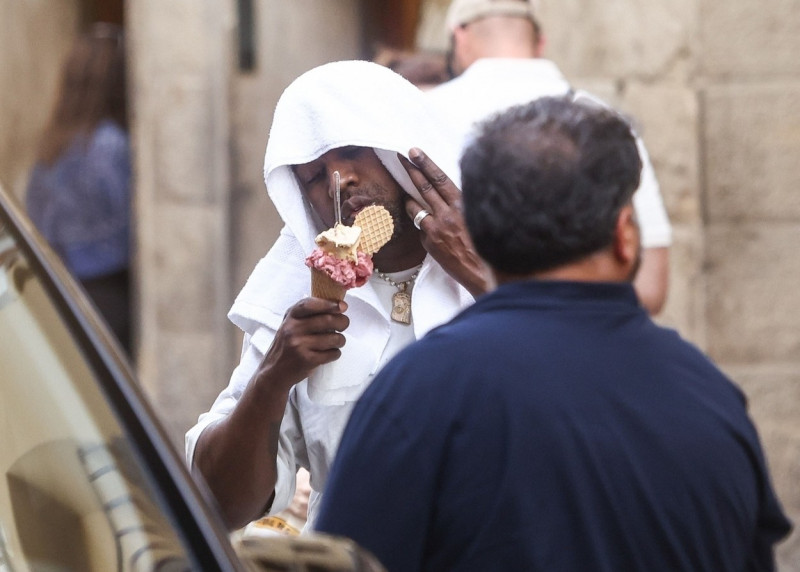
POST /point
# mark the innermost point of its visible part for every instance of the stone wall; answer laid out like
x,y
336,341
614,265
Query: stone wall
x,y
181,63
748,85
640,57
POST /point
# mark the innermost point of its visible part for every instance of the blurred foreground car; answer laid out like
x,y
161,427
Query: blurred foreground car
x,y
88,481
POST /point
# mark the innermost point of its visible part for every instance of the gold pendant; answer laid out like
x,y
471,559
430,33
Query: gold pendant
x,y
401,307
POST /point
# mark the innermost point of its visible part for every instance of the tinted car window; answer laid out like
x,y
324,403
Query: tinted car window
x,y
88,481
73,495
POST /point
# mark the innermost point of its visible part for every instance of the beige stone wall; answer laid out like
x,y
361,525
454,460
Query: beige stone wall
x,y
748,85
181,63
34,39
638,57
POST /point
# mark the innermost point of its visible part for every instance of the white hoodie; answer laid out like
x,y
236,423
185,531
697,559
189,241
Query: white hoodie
x,y
335,105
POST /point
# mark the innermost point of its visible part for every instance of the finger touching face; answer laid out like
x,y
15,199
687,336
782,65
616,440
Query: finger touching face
x,y
435,187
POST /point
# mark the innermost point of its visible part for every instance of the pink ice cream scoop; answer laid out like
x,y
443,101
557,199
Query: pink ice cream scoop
x,y
346,272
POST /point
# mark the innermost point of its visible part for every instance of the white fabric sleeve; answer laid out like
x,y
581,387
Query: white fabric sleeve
x,y
226,400
291,451
653,220
290,437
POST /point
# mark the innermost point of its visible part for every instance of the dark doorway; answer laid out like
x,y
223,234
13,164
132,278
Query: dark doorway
x,y
389,23
112,11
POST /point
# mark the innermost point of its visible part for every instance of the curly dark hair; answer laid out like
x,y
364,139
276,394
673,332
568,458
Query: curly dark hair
x,y
543,183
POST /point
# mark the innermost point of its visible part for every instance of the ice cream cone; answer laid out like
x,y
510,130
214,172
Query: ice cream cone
x,y
377,227
323,286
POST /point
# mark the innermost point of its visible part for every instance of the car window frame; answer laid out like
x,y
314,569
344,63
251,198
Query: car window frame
x,y
188,503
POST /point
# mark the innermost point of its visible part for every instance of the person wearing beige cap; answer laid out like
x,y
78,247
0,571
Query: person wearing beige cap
x,y
496,55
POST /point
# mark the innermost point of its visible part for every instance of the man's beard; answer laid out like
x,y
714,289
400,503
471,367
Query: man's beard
x,y
402,222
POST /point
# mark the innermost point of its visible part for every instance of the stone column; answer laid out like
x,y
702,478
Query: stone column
x,y
181,61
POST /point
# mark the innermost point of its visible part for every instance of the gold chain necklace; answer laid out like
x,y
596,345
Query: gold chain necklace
x,y
401,300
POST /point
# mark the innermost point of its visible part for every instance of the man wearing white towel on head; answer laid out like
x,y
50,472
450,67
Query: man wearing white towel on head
x,y
306,360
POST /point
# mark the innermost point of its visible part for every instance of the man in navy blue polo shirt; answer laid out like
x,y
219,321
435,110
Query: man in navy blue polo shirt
x,y
553,425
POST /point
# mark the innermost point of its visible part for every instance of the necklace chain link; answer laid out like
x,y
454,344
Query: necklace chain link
x,y
401,300
399,285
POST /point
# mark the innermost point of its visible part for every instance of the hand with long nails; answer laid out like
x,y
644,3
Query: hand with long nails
x,y
443,232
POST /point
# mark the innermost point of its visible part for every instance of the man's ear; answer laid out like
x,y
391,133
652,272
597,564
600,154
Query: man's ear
x,y
541,42
462,49
626,237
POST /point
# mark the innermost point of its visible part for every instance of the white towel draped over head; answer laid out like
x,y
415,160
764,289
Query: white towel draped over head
x,y
348,103
336,105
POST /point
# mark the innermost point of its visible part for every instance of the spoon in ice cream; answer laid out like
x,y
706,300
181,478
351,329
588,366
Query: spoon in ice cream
x,y
337,197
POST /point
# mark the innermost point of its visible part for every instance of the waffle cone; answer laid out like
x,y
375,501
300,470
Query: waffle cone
x,y
323,286
377,227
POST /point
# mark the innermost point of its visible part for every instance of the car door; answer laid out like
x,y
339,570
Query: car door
x,y
88,481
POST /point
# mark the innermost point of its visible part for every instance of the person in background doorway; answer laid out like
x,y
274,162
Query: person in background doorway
x,y
422,68
79,193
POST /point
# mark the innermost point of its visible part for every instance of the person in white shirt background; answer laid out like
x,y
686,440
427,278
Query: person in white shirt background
x,y
496,56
